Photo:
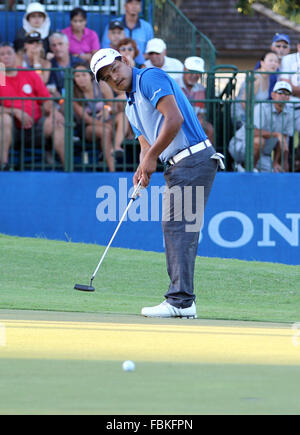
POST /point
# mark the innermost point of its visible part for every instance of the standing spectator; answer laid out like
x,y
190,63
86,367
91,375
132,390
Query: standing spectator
x,y
35,19
156,50
136,28
83,42
34,55
194,90
115,33
95,116
273,124
280,46
25,117
59,45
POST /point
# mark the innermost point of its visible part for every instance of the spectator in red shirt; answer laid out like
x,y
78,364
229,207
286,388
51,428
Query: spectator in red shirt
x,y
25,117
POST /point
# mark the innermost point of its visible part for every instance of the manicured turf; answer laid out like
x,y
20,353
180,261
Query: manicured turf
x,y
90,387
38,274
65,356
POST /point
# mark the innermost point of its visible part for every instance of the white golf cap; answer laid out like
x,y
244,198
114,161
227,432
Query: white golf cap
x,y
35,7
155,45
282,85
194,63
102,58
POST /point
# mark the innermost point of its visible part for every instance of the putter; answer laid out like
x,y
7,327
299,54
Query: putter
x,y
90,288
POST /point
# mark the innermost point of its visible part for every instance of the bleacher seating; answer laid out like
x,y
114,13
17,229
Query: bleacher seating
x,y
10,21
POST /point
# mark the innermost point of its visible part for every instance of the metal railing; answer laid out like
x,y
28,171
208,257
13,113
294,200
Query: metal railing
x,y
182,37
103,6
220,110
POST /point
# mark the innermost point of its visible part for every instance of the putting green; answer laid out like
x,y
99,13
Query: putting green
x,y
184,341
70,363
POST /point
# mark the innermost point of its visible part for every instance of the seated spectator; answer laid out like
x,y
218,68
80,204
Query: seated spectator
x,y
115,33
59,45
273,124
280,46
194,90
34,55
156,50
24,118
35,19
94,115
134,27
269,62
83,42
290,67
128,48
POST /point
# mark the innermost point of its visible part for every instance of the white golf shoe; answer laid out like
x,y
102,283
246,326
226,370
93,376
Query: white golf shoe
x,y
166,310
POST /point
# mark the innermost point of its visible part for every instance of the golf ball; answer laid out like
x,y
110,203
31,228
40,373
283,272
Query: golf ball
x,y
128,366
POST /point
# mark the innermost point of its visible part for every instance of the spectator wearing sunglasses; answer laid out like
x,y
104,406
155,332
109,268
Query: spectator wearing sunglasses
x,y
128,48
273,125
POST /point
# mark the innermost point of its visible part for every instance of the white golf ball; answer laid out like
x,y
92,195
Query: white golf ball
x,y
128,366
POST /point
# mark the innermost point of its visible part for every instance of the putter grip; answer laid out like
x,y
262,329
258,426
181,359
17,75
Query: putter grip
x,y
136,190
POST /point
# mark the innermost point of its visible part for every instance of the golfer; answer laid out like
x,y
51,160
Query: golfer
x,y
167,128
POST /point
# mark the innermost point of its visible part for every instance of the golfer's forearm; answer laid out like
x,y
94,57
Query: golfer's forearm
x,y
168,132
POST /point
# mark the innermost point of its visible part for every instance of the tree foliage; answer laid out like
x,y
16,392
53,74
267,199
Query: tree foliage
x,y
288,8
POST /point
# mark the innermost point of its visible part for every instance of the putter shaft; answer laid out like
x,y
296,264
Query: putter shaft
x,y
133,198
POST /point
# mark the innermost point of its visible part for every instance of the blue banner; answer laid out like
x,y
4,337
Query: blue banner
x,y
248,216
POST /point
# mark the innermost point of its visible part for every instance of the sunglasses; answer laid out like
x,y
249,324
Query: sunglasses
x,y
281,92
126,49
281,46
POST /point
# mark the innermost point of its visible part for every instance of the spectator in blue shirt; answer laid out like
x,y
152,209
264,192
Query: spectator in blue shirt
x,y
136,28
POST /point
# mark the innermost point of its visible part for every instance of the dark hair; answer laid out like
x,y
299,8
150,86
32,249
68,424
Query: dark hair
x,y
264,55
127,41
78,11
6,44
77,91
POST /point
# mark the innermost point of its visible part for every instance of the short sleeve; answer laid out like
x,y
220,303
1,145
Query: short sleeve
x,y
155,84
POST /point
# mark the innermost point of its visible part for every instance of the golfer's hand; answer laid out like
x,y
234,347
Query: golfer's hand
x,y
145,170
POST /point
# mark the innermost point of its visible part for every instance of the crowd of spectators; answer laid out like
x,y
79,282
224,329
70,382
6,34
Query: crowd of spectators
x,y
49,52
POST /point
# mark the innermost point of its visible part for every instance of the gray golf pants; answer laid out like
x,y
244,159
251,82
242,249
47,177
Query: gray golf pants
x,y
188,184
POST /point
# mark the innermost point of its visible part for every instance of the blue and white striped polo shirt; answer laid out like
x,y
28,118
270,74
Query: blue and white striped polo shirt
x,y
149,85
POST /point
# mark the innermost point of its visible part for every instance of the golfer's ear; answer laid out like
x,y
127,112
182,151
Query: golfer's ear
x,y
125,60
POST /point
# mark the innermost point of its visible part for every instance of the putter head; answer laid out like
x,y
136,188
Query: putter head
x,y
84,288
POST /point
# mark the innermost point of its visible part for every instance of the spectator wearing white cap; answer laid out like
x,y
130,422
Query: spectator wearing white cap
x,y
35,19
156,51
273,125
192,87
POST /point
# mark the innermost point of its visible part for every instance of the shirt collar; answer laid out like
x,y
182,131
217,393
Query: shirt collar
x,y
138,23
130,95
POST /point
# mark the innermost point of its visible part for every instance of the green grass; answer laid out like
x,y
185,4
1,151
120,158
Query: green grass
x,y
101,387
39,274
